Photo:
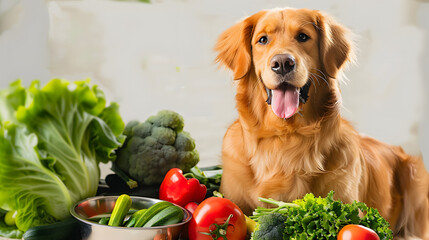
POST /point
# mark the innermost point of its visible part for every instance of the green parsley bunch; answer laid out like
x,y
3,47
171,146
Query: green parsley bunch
x,y
317,218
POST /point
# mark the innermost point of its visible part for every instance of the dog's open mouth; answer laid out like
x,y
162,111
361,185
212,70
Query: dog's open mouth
x,y
285,99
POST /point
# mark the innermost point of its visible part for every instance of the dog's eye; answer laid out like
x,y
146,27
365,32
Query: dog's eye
x,y
263,40
302,37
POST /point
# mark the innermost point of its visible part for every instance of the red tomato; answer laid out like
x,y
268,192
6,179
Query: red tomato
x,y
215,218
357,232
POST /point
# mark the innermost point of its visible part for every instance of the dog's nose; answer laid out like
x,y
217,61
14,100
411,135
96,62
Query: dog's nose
x,y
283,64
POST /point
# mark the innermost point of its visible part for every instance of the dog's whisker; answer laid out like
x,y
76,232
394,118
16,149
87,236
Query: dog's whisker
x,y
326,81
315,77
318,83
319,76
324,76
320,72
313,82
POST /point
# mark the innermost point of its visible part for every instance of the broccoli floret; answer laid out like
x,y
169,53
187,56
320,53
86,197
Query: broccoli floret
x,y
169,119
187,159
184,141
164,135
270,227
140,129
129,127
155,146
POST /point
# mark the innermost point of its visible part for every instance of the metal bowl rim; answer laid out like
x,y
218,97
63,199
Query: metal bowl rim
x,y
83,220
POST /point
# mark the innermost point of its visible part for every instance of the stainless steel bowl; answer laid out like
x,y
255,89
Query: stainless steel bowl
x,y
94,207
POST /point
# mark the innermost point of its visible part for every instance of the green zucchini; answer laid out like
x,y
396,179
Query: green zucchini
x,y
169,215
104,221
122,206
151,212
133,219
68,229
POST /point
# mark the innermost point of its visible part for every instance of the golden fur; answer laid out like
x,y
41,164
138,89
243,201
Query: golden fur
x,y
315,150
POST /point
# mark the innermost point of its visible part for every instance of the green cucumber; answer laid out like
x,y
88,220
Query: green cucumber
x,y
133,219
68,229
122,206
151,212
169,215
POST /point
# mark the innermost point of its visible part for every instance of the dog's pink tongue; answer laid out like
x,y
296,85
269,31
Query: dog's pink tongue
x,y
285,102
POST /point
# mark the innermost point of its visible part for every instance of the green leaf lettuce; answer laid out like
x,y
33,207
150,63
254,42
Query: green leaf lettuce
x,y
51,142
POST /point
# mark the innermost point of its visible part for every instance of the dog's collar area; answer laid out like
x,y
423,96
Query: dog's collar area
x,y
269,94
303,93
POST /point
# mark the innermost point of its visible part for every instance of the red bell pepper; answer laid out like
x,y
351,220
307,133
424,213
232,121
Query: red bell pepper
x,y
177,189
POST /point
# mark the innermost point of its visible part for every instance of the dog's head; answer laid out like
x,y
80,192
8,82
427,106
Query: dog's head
x,y
293,54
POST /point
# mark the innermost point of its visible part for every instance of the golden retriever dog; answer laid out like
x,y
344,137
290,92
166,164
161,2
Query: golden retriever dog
x,y
290,139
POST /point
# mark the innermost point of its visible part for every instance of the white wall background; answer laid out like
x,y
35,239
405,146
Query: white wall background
x,y
149,57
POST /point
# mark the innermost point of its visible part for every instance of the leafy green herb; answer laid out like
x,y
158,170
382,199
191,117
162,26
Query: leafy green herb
x,y
321,218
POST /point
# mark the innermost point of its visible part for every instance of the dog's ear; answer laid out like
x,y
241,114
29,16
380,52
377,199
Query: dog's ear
x,y
234,46
334,45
